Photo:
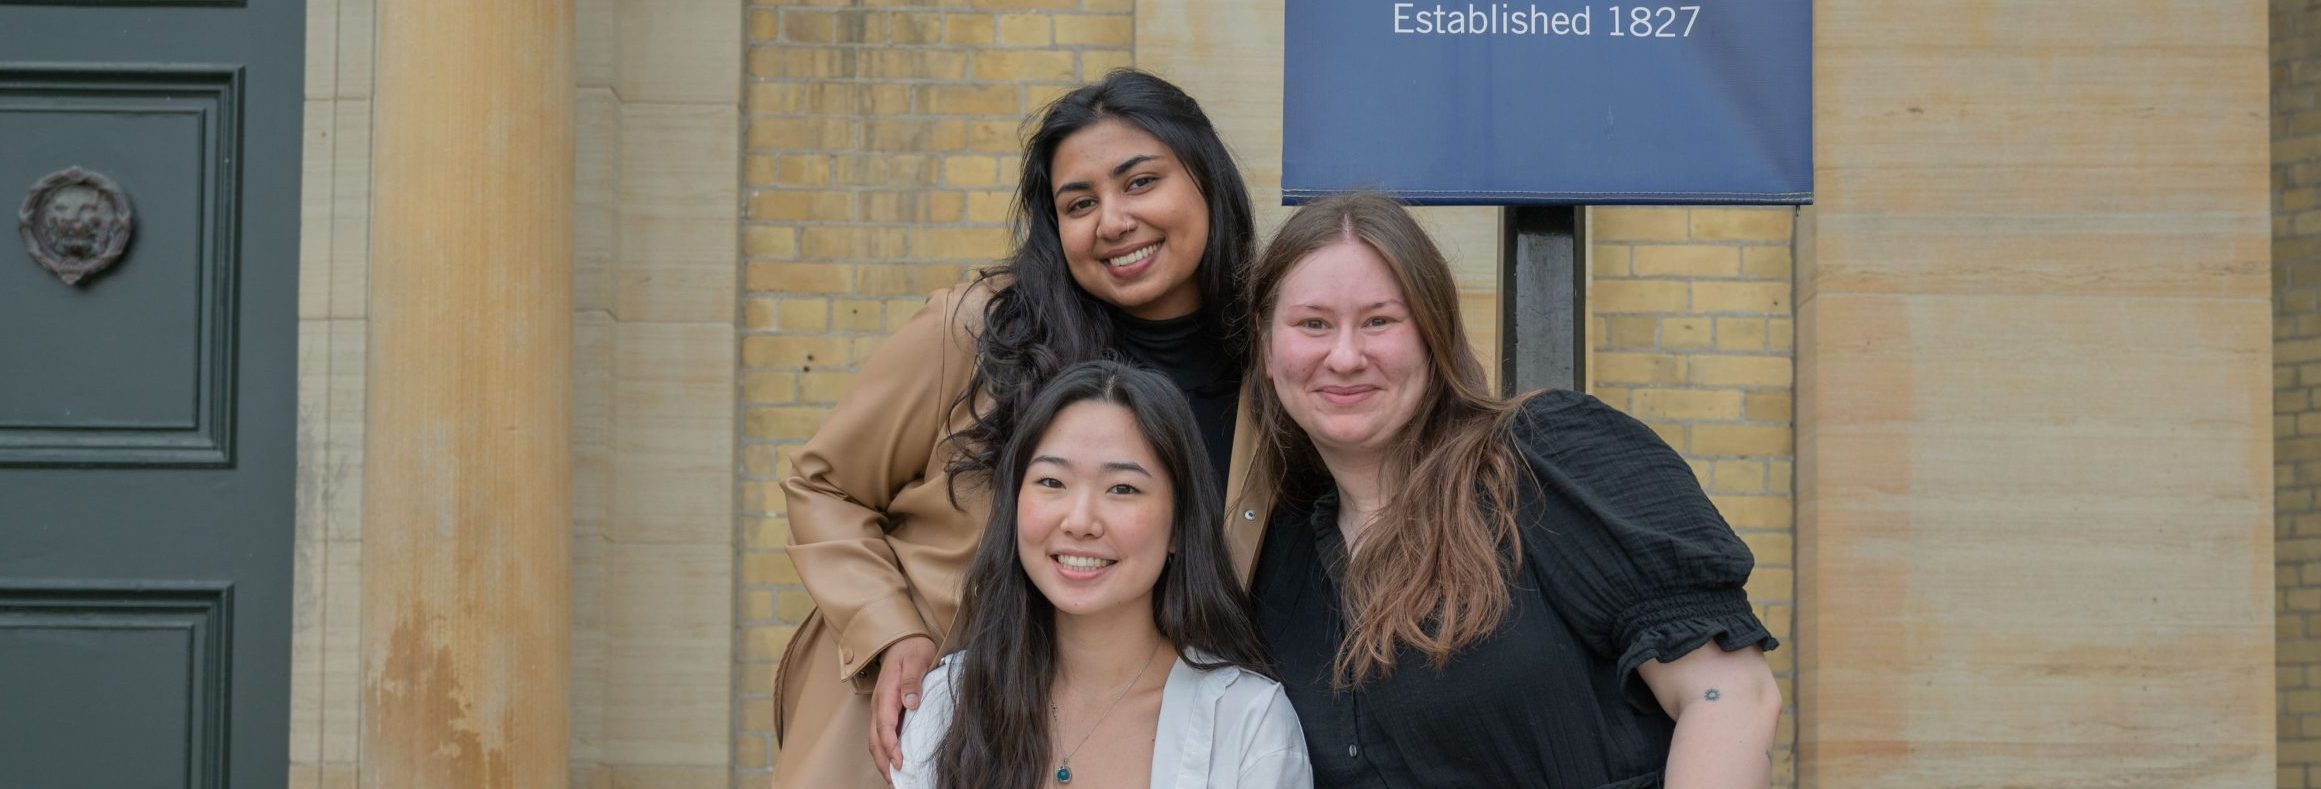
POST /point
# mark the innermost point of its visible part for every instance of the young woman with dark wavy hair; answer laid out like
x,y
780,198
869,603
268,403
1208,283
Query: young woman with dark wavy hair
x,y
1132,227
1104,639
1460,590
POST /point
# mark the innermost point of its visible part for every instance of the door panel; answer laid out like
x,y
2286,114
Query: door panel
x,y
83,658
147,411
129,366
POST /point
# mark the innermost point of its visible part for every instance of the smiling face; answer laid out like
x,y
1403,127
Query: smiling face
x,y
1094,515
1132,221
1342,353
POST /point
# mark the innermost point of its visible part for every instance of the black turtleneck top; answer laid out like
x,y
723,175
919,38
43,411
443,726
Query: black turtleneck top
x,y
1190,351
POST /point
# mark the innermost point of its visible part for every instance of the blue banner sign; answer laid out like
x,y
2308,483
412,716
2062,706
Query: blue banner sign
x,y
1553,102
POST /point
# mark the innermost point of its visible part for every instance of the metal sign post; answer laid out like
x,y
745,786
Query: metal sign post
x,y
1542,298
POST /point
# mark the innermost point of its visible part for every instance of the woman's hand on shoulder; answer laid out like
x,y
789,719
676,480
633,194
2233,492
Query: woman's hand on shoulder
x,y
901,670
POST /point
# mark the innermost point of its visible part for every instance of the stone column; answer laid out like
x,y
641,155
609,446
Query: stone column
x,y
467,466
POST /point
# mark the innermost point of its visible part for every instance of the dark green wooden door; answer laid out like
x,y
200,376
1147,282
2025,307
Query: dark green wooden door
x,y
147,409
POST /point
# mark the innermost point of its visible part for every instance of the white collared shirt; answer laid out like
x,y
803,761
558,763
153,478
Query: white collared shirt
x,y
1222,728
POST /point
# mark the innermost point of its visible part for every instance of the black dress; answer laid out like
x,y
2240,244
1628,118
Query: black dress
x,y
1624,560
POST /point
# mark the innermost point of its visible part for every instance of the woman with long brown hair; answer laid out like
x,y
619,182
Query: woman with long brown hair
x,y
1104,640
1460,590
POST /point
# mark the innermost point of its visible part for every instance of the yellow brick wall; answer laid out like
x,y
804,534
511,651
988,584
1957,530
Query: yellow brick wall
x,y
1692,329
878,162
879,156
2296,91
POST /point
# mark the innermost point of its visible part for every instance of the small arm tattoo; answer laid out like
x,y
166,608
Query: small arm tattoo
x,y
1712,695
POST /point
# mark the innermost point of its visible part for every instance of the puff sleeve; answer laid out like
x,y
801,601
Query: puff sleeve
x,y
1623,541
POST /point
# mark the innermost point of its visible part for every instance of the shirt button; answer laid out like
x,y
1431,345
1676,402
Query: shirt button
x,y
1351,750
1249,515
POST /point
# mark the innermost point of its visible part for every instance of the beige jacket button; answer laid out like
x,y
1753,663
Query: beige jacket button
x,y
845,656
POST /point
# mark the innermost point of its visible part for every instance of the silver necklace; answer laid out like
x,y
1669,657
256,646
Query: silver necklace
x,y
1064,770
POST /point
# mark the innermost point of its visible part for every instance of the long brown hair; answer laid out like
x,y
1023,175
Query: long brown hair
x,y
1431,574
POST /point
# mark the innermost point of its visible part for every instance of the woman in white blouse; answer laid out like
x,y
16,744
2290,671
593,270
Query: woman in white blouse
x,y
1103,639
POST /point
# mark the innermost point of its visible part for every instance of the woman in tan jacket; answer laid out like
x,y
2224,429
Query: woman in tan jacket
x,y
1132,227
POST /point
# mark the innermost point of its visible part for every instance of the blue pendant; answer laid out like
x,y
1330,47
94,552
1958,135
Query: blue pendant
x,y
1063,775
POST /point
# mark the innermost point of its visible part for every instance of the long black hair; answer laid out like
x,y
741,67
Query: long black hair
x,y
999,720
1040,321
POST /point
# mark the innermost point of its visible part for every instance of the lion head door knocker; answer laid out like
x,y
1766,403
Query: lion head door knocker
x,y
75,223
